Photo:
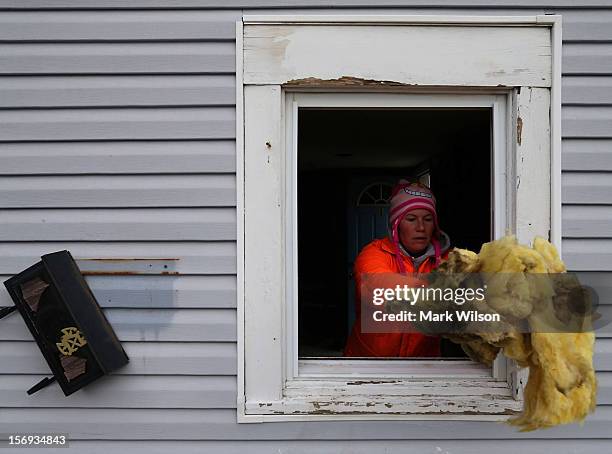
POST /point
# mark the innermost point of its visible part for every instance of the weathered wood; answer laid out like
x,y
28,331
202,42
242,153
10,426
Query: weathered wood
x,y
391,396
532,163
415,406
277,54
395,387
312,55
264,264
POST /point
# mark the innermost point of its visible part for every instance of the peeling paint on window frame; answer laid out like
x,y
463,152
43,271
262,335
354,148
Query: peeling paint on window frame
x,y
338,398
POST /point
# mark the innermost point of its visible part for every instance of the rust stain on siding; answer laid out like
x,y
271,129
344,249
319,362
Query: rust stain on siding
x,y
109,273
126,273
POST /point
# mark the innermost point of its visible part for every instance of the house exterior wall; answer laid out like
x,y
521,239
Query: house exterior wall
x,y
117,140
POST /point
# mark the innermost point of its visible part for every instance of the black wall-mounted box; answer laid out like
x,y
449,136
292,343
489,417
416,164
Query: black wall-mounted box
x,y
66,321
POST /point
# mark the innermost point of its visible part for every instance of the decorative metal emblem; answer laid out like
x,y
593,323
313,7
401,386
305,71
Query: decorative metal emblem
x,y
71,341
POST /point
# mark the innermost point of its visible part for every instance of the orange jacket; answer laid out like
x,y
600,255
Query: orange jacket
x,y
378,257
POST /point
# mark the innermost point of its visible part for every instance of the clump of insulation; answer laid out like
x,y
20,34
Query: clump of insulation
x,y
562,386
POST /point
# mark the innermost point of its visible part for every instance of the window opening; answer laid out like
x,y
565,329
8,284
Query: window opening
x,y
348,161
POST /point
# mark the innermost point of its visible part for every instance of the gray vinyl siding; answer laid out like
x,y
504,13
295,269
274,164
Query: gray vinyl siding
x,y
117,140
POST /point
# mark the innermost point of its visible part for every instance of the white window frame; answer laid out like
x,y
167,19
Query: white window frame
x,y
272,384
495,100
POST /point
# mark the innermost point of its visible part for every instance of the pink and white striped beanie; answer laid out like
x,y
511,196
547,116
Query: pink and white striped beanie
x,y
407,196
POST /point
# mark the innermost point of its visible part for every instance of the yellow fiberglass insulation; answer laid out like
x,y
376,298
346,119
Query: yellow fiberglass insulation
x,y
562,386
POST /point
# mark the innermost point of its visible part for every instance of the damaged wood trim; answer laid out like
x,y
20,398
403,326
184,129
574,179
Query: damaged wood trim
x,y
397,388
282,52
353,82
371,397
474,405
397,398
344,81
327,416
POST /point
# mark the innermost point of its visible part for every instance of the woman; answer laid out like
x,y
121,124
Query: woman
x,y
415,245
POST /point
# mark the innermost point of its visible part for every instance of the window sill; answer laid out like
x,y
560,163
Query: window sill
x,y
484,399
396,368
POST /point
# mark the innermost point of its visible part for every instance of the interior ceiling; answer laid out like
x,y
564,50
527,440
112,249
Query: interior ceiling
x,y
376,138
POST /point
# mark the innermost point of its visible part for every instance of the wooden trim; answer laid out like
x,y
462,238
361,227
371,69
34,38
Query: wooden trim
x,y
443,19
371,417
440,98
240,396
396,368
276,388
264,267
555,135
289,111
320,53
394,397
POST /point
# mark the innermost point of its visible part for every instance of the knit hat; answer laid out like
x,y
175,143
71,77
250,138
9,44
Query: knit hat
x,y
407,196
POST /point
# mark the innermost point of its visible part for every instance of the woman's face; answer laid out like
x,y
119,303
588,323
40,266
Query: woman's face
x,y
415,230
